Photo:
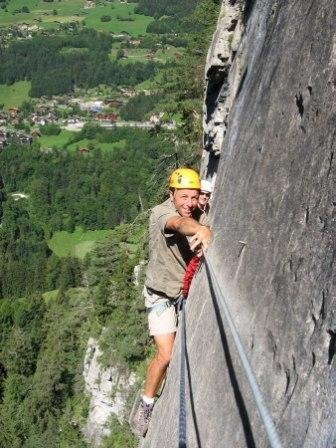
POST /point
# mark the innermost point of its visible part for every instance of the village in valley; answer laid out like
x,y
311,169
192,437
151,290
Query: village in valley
x,y
53,120
66,113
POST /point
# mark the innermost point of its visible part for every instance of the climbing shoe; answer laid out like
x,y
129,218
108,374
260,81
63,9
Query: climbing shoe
x,y
140,417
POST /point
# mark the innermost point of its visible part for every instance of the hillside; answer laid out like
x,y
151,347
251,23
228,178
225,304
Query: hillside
x,y
96,108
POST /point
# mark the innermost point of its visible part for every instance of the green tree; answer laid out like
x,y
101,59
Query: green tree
x,y
70,275
105,18
102,300
120,54
50,129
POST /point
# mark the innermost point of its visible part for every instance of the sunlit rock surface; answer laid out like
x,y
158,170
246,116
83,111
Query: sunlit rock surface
x,y
270,116
107,389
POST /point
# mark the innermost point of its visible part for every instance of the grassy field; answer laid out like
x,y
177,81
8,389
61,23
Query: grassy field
x,y
76,244
122,16
49,14
61,141
41,13
95,92
150,84
15,94
169,54
85,143
67,7
142,54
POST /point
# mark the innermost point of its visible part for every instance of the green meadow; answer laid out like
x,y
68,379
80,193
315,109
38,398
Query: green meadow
x,y
68,7
15,94
50,14
168,54
61,141
42,13
76,244
141,54
150,84
122,16
58,141
86,143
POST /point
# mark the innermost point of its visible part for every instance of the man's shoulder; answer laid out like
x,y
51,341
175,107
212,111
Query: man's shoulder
x,y
164,208
161,213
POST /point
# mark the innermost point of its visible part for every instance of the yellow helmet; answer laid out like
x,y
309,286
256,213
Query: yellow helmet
x,y
185,178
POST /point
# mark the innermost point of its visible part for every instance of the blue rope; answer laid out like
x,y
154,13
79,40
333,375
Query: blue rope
x,y
182,411
264,413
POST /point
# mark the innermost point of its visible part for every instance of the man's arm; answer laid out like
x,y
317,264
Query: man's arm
x,y
190,227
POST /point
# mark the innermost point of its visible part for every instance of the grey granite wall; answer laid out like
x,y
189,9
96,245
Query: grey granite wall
x,y
270,116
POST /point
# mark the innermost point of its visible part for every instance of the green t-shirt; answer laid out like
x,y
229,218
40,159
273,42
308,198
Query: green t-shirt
x,y
169,253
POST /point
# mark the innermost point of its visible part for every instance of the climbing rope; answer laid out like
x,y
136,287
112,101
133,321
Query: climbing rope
x,y
264,413
182,412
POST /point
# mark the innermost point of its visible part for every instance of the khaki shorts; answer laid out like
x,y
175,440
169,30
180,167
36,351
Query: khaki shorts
x,y
161,320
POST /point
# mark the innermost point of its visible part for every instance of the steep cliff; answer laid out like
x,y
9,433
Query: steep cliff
x,y
108,389
270,140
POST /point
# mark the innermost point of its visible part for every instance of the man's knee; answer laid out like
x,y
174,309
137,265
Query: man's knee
x,y
163,356
164,347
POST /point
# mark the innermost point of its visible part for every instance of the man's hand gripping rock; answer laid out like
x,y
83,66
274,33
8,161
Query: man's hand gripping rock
x,y
201,240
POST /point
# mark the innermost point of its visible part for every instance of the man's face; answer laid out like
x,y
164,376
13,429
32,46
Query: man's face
x,y
185,201
203,199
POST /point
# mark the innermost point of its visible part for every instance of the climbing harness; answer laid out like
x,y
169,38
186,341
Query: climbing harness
x,y
159,308
264,413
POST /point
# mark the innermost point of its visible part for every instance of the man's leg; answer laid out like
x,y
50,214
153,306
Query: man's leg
x,y
142,410
164,323
158,366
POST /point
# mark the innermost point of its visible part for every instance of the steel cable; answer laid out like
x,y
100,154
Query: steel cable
x,y
182,443
264,413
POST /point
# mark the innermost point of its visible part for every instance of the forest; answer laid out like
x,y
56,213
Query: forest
x,y
56,64
174,16
159,8
94,191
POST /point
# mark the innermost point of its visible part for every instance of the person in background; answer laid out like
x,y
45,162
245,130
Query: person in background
x,y
174,238
204,196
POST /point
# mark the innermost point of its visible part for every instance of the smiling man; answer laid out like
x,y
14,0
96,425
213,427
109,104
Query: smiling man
x,y
174,236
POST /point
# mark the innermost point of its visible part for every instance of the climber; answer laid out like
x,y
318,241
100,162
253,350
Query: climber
x,y
202,210
170,250
204,196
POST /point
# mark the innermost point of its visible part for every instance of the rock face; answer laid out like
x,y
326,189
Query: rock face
x,y
270,132
106,388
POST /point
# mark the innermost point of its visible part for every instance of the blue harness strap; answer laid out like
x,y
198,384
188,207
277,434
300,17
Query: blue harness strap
x,y
159,308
